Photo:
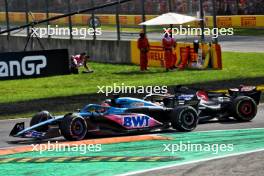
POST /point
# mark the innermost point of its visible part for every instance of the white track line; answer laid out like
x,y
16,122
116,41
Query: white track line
x,y
190,162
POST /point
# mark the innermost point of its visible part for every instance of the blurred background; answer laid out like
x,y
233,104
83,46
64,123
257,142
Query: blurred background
x,y
121,21
153,7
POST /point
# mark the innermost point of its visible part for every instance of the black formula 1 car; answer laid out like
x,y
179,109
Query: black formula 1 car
x,y
120,115
240,103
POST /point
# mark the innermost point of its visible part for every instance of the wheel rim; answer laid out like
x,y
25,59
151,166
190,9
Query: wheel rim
x,y
246,108
188,118
78,128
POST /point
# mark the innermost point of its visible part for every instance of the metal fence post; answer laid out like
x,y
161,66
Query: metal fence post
x,y
215,21
143,15
70,19
237,7
47,14
27,20
190,6
93,22
7,18
170,6
117,21
202,20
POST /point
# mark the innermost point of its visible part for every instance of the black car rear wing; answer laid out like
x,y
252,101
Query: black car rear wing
x,y
254,94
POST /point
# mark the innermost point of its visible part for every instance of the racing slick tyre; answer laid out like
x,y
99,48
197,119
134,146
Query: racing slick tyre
x,y
38,118
73,127
184,118
244,108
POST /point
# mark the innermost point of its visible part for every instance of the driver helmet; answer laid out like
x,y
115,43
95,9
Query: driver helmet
x,y
107,102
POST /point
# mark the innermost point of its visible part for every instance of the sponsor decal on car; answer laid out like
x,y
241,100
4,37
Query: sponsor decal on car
x,y
136,121
185,97
34,134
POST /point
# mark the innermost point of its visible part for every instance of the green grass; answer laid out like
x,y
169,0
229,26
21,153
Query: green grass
x,y
236,66
248,32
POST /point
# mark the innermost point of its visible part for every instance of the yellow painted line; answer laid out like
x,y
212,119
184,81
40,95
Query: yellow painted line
x,y
81,159
87,159
135,158
99,158
117,158
117,140
24,160
62,159
41,160
155,158
7,160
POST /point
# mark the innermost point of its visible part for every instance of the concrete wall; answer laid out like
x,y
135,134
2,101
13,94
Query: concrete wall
x,y
99,50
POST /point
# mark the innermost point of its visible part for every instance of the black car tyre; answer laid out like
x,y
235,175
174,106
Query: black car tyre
x,y
73,127
184,118
244,108
38,118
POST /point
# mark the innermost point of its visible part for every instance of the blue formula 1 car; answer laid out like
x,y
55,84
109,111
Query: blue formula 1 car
x,y
116,116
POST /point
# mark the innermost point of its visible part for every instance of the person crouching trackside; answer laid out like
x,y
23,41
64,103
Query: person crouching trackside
x,y
78,61
143,46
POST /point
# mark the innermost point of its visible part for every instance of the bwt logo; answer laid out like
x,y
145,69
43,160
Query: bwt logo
x,y
29,65
138,121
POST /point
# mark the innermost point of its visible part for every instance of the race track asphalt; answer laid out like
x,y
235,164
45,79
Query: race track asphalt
x,y
7,125
241,165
